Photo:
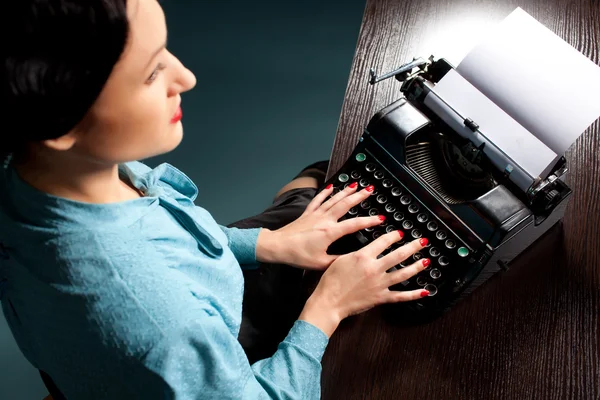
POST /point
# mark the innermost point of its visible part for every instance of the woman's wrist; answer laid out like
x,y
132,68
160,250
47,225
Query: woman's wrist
x,y
267,246
320,314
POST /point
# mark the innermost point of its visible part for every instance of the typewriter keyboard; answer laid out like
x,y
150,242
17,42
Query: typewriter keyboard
x,y
406,213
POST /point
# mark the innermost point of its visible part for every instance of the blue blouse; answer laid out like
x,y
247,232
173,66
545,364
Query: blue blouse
x,y
141,298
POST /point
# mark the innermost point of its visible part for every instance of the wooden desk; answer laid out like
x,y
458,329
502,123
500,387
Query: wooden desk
x,y
530,333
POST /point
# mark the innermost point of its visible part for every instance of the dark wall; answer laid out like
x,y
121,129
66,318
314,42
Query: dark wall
x,y
271,81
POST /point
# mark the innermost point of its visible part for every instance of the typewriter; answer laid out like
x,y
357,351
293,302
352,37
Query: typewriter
x,y
430,181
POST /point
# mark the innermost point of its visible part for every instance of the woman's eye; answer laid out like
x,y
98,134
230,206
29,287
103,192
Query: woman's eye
x,y
154,74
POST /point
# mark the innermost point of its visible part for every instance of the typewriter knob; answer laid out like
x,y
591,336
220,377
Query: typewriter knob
x,y
551,198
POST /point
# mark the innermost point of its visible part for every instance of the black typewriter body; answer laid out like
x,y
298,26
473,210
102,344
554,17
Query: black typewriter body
x,y
430,182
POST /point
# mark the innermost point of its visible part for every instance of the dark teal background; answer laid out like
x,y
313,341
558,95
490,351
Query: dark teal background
x,y
271,82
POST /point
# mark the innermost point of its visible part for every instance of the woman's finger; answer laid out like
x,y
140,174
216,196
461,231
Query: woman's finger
x,y
339,209
402,253
319,199
400,296
342,194
377,246
402,274
351,225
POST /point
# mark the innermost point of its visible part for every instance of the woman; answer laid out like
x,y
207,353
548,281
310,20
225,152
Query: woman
x,y
115,284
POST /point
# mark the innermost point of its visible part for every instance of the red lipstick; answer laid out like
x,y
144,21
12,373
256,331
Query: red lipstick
x,y
177,117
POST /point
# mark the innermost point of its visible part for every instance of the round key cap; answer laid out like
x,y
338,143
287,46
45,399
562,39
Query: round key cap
x,y
432,226
421,281
379,175
381,199
450,244
416,233
387,183
398,216
343,177
413,208
396,191
441,235
405,200
417,256
390,208
365,204
390,228
422,218
373,212
363,183
353,211
355,174
434,252
443,260
435,273
407,225
376,235
432,289
360,157
370,167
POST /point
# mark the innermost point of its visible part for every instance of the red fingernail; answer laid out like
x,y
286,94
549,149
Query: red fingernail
x,y
425,293
329,186
370,188
400,233
353,185
423,242
381,218
426,262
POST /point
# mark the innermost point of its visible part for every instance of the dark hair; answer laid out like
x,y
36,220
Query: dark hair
x,y
55,58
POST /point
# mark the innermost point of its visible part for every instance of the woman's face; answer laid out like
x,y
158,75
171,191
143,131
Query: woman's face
x,y
137,115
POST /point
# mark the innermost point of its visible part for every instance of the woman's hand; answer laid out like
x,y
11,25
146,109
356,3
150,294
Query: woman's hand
x,y
358,281
303,243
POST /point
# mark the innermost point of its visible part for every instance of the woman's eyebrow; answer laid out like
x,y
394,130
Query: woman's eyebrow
x,y
161,48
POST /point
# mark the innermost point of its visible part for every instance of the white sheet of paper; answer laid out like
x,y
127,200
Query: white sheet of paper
x,y
501,129
539,79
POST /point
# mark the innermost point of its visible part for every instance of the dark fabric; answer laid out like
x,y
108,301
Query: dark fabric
x,y
273,295
317,170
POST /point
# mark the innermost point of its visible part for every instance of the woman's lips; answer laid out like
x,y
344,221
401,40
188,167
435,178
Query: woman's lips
x,y
177,117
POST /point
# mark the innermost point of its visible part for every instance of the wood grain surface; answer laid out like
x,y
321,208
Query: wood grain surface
x,y
532,332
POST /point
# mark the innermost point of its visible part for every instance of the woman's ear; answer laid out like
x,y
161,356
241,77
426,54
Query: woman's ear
x,y
65,142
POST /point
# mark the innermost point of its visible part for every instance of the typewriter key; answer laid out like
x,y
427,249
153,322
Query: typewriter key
x,y
432,289
365,204
433,252
346,185
441,235
360,157
399,216
405,200
443,260
421,281
355,174
379,175
353,211
413,208
407,224
463,251
376,235
417,256
432,226
390,228
343,177
387,183
373,212
363,183
390,208
370,167
422,217
416,233
370,229
381,199
396,191
435,273
450,244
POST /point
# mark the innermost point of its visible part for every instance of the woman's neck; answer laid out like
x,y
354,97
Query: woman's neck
x,y
75,179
